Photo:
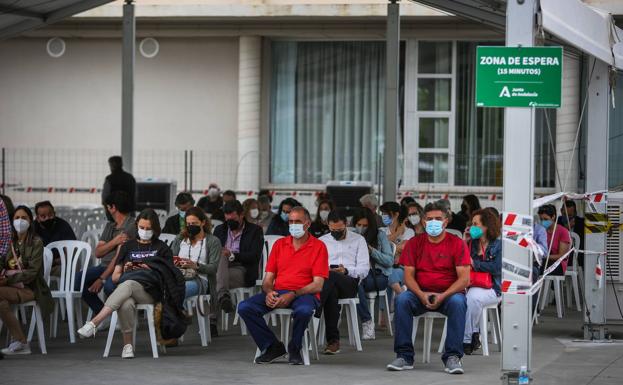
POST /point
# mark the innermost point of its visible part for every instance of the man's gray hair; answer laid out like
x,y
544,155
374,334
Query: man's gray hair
x,y
369,199
442,205
303,210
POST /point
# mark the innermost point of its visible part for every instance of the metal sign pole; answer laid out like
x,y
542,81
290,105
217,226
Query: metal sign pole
x,y
390,156
127,85
519,136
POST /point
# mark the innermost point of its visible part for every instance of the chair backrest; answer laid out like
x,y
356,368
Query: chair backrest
x,y
167,238
216,222
74,255
48,259
92,237
455,232
575,238
269,241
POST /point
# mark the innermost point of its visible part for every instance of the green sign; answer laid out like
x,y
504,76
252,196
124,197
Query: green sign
x,y
518,76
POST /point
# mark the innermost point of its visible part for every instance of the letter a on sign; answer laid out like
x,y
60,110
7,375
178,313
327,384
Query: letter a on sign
x,y
505,93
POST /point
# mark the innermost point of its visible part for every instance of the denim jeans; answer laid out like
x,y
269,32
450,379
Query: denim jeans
x,y
192,288
367,285
252,311
92,275
408,305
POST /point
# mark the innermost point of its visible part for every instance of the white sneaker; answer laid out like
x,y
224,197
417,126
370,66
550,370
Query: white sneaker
x,y
128,351
16,347
368,330
88,330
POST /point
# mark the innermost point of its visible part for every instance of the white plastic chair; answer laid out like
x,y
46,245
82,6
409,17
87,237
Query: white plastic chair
x,y
215,223
167,238
455,232
36,319
308,338
149,312
429,318
349,305
74,255
92,237
557,281
496,330
371,296
198,302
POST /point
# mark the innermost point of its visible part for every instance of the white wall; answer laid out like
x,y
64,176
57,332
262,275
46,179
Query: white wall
x,y
185,98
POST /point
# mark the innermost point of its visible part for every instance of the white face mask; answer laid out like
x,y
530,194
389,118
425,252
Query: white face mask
x,y
414,219
254,213
21,225
145,235
324,214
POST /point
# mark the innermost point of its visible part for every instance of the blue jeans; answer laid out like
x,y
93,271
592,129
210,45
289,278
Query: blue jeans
x,y
408,305
92,275
253,310
192,288
366,286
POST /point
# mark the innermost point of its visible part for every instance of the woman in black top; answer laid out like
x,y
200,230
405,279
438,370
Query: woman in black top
x,y
138,280
320,226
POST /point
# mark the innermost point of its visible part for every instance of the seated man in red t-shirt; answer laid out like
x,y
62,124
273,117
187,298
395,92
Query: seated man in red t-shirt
x,y
437,267
295,272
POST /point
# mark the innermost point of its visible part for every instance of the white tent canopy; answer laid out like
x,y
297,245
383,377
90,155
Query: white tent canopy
x,y
577,24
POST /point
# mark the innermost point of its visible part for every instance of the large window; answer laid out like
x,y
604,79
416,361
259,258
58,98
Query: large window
x,y
327,111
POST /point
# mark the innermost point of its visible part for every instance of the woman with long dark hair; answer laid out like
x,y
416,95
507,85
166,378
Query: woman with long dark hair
x,y
320,226
381,261
21,278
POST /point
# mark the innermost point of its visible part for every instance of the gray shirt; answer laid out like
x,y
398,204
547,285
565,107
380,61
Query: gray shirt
x,y
111,230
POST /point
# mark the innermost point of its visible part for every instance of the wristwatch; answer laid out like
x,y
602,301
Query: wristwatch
x,y
103,280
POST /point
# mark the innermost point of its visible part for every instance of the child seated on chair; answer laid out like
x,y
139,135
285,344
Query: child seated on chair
x,y
141,268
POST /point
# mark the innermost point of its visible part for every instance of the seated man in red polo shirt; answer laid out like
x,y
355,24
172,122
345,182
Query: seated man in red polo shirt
x,y
437,267
295,272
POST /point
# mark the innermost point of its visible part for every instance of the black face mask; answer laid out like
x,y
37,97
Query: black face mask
x,y
48,223
193,230
233,225
338,234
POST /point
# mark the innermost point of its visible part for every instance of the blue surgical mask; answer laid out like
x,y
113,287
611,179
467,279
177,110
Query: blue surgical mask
x,y
284,216
387,220
182,214
547,223
297,230
475,232
434,228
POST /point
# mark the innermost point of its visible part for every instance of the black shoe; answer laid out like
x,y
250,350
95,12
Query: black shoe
x,y
226,304
213,330
274,352
294,358
1,356
467,349
476,341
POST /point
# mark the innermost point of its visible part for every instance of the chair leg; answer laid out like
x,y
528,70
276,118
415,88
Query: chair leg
x,y
416,321
494,328
484,334
321,330
22,314
354,324
40,329
558,297
201,323
111,333
78,308
442,342
305,347
576,292
314,341
428,336
568,288
545,290
152,333
498,329
390,328
32,325
69,302
54,320
349,328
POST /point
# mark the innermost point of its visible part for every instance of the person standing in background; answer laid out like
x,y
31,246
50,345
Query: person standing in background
x,y
119,180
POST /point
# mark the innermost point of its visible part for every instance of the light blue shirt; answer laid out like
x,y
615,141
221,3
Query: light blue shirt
x,y
540,236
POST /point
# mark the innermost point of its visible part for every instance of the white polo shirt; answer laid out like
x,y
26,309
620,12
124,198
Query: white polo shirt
x,y
351,252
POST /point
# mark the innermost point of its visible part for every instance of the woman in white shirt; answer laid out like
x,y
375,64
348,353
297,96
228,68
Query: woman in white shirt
x,y
197,253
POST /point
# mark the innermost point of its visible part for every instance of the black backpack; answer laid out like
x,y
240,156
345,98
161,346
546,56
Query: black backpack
x,y
173,323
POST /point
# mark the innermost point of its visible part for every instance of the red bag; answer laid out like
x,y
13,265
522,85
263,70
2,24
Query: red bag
x,y
480,279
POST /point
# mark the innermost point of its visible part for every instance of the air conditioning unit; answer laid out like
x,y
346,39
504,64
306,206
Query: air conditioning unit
x,y
614,259
156,193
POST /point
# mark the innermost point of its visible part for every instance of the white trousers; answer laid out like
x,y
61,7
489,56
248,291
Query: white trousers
x,y
477,299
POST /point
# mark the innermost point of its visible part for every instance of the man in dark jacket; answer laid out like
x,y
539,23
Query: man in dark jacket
x,y
241,255
176,223
119,180
51,228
